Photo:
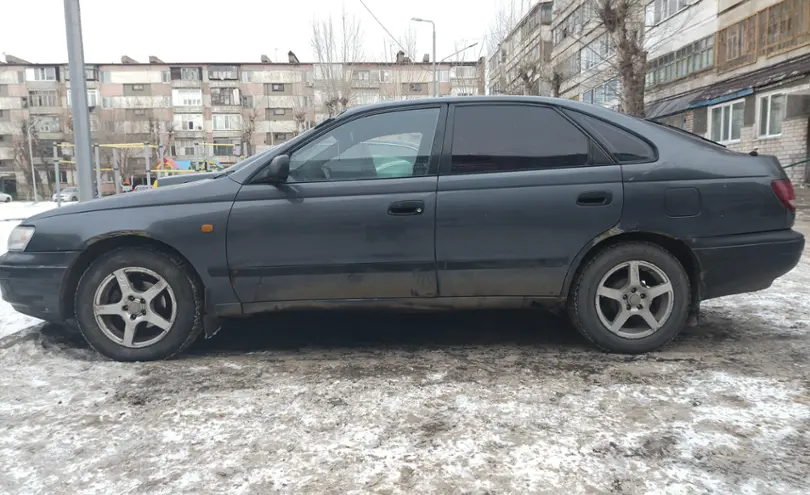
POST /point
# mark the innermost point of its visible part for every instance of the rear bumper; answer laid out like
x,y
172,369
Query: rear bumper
x,y
746,263
32,282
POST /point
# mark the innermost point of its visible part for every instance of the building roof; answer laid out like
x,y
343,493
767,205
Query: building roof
x,y
742,85
730,89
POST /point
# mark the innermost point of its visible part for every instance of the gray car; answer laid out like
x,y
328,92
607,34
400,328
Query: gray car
x,y
484,202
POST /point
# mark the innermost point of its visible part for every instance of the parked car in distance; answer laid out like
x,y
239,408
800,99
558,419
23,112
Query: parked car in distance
x,y
440,203
67,194
5,198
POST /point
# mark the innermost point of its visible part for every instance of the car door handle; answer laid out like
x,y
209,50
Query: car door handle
x,y
595,198
401,208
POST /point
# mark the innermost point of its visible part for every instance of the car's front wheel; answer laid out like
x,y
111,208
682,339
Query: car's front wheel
x,y
631,298
139,304
8,199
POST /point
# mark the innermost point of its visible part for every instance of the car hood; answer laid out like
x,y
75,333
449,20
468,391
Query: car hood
x,y
200,191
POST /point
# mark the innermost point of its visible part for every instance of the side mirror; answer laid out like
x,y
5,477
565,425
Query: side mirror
x,y
277,171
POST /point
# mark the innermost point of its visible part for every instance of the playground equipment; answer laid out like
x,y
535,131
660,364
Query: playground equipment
x,y
164,165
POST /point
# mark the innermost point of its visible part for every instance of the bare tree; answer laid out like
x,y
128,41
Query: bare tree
x,y
624,22
335,49
22,161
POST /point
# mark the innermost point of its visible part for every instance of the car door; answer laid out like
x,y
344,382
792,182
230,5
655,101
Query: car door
x,y
338,229
521,191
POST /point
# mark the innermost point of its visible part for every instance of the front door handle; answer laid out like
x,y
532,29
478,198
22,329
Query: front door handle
x,y
595,198
401,208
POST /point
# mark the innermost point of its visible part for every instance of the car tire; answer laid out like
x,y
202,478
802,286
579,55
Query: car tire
x,y
603,291
7,200
176,309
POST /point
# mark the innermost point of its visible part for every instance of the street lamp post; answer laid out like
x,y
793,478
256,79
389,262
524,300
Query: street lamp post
x,y
31,157
435,85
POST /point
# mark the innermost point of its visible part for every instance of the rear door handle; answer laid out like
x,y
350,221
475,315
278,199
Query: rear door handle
x,y
401,208
595,198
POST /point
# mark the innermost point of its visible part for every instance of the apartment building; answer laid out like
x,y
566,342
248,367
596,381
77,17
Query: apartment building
x,y
741,77
521,63
197,111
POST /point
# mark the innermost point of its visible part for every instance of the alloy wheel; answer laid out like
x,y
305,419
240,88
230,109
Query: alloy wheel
x,y
634,299
134,307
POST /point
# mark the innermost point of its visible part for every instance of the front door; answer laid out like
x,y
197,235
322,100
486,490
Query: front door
x,y
520,194
354,220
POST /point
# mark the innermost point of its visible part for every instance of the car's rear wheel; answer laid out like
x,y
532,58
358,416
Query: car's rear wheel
x,y
139,304
631,298
8,199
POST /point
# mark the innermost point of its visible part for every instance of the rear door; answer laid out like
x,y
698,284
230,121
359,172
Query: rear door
x,y
522,190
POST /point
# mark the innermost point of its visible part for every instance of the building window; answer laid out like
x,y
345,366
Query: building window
x,y
184,147
463,72
48,123
280,111
92,98
43,98
661,10
737,44
247,101
688,60
361,75
771,113
188,121
223,147
385,76
574,23
5,115
223,73
186,97
784,26
415,87
278,137
443,76
227,122
545,13
277,88
726,122
597,51
40,74
571,66
224,96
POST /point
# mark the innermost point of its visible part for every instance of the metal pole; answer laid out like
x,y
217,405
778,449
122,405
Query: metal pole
x,y
56,175
98,170
116,174
435,88
31,159
161,159
78,93
147,156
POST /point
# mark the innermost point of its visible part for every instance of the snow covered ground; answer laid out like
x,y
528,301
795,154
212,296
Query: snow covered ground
x,y
497,402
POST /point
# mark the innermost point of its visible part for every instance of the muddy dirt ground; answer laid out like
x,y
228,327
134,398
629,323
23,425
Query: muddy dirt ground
x,y
486,402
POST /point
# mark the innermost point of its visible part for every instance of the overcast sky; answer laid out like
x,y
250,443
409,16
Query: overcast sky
x,y
229,30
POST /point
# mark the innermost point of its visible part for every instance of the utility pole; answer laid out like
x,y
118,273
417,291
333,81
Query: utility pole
x,y
435,82
78,93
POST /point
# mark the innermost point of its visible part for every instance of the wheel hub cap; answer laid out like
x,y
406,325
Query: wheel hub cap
x,y
134,308
634,299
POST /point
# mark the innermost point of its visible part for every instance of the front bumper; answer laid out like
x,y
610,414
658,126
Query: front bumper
x,y
746,263
32,282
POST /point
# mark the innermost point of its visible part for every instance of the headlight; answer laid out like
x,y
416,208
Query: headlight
x,y
19,238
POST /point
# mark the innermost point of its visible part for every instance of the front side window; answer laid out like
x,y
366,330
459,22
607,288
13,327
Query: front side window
x,y
536,138
771,113
726,122
389,145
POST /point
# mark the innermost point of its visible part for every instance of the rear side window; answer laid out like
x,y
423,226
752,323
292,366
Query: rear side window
x,y
507,138
624,146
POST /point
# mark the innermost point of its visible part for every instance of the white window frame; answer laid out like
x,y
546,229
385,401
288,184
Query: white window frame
x,y
664,9
92,98
182,97
767,116
229,121
710,121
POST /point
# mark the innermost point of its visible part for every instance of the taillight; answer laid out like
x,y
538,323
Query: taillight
x,y
783,189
